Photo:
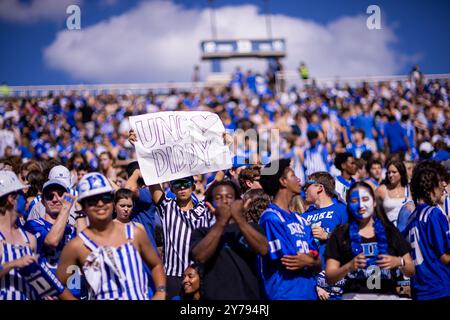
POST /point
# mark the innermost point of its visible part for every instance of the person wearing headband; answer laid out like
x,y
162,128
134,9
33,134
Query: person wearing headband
x,y
324,215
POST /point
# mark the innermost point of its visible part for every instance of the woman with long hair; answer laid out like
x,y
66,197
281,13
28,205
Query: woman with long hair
x,y
192,284
17,246
394,193
111,254
367,251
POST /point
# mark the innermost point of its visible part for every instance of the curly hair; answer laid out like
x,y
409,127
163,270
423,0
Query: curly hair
x,y
341,158
441,171
259,201
423,182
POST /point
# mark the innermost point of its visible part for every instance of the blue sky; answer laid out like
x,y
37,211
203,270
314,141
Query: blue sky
x,y
138,41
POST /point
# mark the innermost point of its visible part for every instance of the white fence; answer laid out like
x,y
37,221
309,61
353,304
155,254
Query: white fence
x,y
96,89
286,79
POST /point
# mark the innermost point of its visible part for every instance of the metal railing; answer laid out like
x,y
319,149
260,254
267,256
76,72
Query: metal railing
x,y
285,79
96,89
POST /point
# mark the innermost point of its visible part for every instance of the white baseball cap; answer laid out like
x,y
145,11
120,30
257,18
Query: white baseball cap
x,y
9,182
426,147
436,138
61,173
54,182
92,184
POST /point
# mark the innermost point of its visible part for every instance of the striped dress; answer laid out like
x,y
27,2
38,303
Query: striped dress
x,y
12,285
115,273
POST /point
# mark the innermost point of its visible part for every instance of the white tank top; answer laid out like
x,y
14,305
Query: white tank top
x,y
392,206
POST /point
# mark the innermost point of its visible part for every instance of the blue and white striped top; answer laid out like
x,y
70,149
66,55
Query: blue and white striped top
x,y
12,285
316,159
446,206
115,273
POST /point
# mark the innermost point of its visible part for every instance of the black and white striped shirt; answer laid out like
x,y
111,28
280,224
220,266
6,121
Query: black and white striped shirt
x,y
178,226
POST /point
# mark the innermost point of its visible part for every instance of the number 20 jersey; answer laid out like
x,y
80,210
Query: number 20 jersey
x,y
288,234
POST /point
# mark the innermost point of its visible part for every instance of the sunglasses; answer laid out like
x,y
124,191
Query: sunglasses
x,y
105,197
50,195
179,185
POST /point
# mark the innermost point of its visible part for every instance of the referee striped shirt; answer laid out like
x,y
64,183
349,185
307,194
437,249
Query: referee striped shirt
x,y
177,229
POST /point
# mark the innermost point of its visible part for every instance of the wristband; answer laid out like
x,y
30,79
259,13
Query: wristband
x,y
68,199
161,289
402,262
314,253
79,214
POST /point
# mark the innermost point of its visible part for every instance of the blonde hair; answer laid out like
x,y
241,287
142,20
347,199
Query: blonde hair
x,y
297,204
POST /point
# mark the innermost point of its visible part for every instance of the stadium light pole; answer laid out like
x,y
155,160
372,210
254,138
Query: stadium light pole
x,y
213,20
268,20
215,63
270,61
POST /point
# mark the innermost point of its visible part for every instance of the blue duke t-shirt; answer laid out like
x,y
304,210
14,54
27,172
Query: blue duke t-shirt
x,y
287,233
327,218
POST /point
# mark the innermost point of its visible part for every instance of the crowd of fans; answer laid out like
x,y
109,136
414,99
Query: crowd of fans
x,y
357,166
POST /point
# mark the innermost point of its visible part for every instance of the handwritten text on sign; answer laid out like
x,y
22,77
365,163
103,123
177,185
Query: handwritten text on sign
x,y
174,145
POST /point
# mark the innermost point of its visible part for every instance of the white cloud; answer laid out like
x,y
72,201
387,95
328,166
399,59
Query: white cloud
x,y
35,11
160,41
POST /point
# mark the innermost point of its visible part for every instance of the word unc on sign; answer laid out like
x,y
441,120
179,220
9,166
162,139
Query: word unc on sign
x,y
172,146
157,130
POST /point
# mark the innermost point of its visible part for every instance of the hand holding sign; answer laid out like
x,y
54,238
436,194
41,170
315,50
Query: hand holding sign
x,y
173,145
132,137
